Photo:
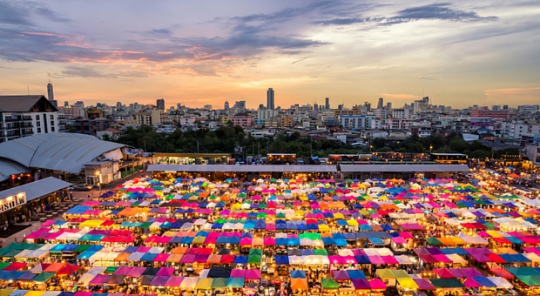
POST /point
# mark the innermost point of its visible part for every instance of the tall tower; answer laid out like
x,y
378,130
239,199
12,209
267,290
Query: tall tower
x,y
270,99
327,104
50,94
50,91
160,104
226,105
380,105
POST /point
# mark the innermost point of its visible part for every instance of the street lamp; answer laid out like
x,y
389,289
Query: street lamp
x,y
98,175
430,148
370,147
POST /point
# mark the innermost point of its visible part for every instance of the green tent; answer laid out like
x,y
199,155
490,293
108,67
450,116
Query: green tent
x,y
255,252
530,280
433,241
4,265
111,269
12,253
254,259
219,283
446,283
145,225
322,252
329,284
235,283
82,248
43,277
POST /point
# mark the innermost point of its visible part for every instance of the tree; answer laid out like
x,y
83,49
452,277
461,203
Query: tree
x,y
379,143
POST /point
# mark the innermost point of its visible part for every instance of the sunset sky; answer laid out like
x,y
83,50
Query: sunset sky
x,y
206,52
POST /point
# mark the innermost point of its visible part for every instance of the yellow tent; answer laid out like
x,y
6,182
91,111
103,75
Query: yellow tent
x,y
407,283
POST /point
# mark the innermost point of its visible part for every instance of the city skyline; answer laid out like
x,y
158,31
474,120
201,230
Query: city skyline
x,y
206,53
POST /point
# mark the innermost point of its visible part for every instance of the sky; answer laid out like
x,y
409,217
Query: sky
x,y
207,52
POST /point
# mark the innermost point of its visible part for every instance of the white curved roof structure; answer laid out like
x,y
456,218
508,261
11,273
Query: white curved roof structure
x,y
8,168
58,151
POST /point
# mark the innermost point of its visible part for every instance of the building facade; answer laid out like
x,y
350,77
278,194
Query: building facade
x,y
22,116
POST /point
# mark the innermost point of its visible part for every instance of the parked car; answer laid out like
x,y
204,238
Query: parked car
x,y
81,187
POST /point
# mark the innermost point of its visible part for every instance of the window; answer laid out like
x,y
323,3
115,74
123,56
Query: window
x,y
52,116
52,129
37,117
39,129
38,123
52,123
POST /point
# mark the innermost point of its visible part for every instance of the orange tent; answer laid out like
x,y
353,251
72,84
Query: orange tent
x,y
299,284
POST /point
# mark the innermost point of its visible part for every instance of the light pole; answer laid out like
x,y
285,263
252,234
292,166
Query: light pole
x,y
430,148
370,147
197,146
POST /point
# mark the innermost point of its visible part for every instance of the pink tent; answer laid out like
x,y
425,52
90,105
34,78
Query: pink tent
x,y
100,279
173,281
165,271
376,260
123,270
377,284
136,271
471,283
253,274
238,273
269,241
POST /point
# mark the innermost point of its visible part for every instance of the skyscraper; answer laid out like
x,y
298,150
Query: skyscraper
x,y
50,91
50,94
389,106
160,103
380,105
327,103
270,99
226,107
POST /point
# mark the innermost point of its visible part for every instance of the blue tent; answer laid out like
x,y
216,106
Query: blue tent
x,y
298,274
282,259
241,259
356,274
376,241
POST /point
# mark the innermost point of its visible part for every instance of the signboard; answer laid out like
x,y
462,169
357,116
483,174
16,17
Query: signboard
x,y
12,202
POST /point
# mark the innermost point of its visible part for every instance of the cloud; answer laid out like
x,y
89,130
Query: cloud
x,y
513,92
84,71
407,97
22,13
438,11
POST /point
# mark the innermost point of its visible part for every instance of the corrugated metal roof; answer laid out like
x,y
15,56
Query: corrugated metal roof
x,y
404,168
8,168
36,189
57,151
243,168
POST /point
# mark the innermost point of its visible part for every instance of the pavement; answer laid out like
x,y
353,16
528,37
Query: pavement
x,y
82,196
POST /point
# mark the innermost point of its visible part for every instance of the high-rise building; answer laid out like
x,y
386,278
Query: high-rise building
x,y
327,103
389,106
270,99
367,106
340,107
66,104
50,94
505,107
226,107
208,107
240,105
380,104
118,105
79,104
160,103
315,107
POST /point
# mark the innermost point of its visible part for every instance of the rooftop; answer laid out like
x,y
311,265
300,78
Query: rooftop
x,y
36,189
